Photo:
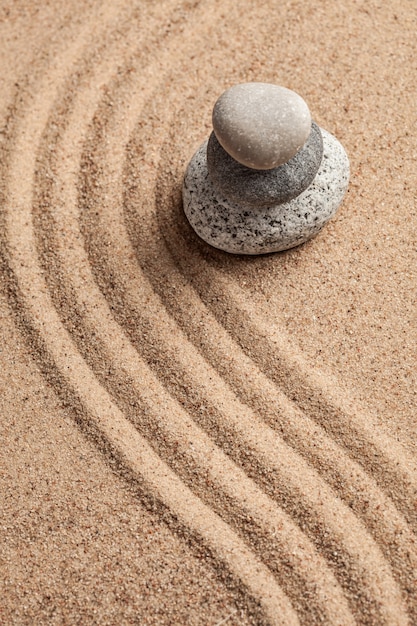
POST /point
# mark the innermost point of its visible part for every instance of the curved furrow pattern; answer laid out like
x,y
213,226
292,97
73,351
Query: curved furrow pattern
x,y
386,459
268,346
119,434
236,496
204,403
356,486
315,394
352,484
358,489
112,149
286,473
106,236
272,464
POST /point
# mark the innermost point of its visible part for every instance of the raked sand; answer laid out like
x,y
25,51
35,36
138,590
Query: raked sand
x,y
189,437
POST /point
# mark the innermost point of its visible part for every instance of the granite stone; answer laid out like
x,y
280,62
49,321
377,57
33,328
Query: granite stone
x,y
257,188
261,125
225,225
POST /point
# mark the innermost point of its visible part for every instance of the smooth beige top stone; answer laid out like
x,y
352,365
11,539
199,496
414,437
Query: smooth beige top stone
x,y
261,125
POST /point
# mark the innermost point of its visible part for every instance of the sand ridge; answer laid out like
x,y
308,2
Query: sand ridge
x,y
172,363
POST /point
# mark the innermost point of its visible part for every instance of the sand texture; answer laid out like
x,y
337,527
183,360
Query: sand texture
x,y
189,437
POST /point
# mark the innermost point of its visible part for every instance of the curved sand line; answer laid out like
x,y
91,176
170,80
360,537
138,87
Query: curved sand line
x,y
396,463
113,236
126,441
120,435
73,268
111,150
364,510
108,400
276,355
385,448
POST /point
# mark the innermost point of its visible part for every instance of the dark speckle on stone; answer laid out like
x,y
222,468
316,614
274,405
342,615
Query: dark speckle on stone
x,y
230,227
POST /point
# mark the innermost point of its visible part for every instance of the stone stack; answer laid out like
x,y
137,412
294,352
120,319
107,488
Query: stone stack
x,y
268,178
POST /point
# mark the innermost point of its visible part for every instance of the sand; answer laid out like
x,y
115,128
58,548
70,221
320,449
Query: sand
x,y
189,437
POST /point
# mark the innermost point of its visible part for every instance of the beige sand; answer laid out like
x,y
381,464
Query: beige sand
x,y
189,437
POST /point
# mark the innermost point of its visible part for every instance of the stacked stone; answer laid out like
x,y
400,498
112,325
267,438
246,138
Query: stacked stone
x,y
268,178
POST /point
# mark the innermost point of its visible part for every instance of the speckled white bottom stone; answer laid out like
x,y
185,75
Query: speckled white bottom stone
x,y
239,230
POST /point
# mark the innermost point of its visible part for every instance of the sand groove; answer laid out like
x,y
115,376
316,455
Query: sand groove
x,y
106,236
356,487
313,393
286,482
255,444
112,424
97,321
378,531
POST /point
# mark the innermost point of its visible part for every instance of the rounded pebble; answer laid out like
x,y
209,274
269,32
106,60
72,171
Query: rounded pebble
x,y
226,226
257,188
261,125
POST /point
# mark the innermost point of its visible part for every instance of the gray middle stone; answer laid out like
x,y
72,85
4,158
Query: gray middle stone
x,y
260,188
